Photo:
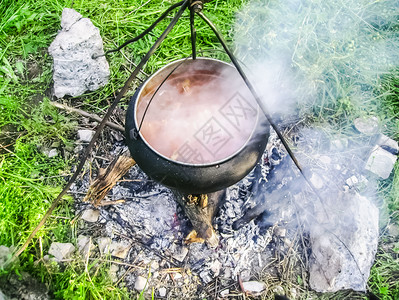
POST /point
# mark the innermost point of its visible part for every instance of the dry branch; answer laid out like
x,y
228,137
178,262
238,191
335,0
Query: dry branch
x,y
87,115
106,181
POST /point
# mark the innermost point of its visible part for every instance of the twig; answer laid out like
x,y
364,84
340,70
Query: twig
x,y
87,115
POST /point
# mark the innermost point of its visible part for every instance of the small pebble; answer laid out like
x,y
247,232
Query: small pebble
x,y
254,287
120,249
91,215
162,292
140,283
85,135
61,250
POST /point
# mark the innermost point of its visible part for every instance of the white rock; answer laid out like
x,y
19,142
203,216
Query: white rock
x,y
254,287
367,126
317,181
85,135
354,221
140,284
224,293
177,276
52,153
69,17
352,181
154,265
103,244
162,292
216,267
278,289
113,270
280,231
84,245
180,254
5,256
120,249
205,276
386,141
91,215
61,250
2,296
75,71
381,162
245,275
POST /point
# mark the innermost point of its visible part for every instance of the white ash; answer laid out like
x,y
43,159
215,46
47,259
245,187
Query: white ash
x,y
151,220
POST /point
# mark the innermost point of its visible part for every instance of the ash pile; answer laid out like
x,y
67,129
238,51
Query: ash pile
x,y
273,229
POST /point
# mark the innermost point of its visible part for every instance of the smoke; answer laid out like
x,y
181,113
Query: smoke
x,y
317,52
323,59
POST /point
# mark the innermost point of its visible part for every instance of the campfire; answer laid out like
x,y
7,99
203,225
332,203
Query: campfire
x,y
215,185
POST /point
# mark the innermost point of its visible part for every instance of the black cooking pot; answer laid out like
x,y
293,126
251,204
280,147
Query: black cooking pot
x,y
195,127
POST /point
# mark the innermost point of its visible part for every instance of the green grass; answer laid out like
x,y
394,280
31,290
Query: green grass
x,y
29,126
29,180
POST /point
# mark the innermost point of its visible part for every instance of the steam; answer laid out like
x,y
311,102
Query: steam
x,y
321,52
324,59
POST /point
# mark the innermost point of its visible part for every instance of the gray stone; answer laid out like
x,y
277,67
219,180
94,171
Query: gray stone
x,y
225,293
317,181
140,284
85,135
154,265
381,162
84,245
367,126
392,230
205,276
177,276
162,292
343,249
5,256
180,253
50,153
245,275
352,181
2,296
254,288
385,141
113,270
91,215
103,244
69,17
120,249
215,267
278,289
75,71
61,250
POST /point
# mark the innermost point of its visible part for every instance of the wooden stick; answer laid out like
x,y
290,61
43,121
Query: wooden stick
x,y
106,181
87,115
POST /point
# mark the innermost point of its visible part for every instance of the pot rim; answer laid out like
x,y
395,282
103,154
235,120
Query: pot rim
x,y
215,163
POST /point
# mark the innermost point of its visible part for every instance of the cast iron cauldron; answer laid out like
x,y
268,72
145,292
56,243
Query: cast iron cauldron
x,y
195,127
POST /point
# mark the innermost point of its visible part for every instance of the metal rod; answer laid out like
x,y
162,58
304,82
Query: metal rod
x,y
260,103
251,88
103,122
193,33
145,32
153,95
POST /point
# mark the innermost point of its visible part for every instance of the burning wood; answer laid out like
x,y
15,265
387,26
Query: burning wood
x,y
105,181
